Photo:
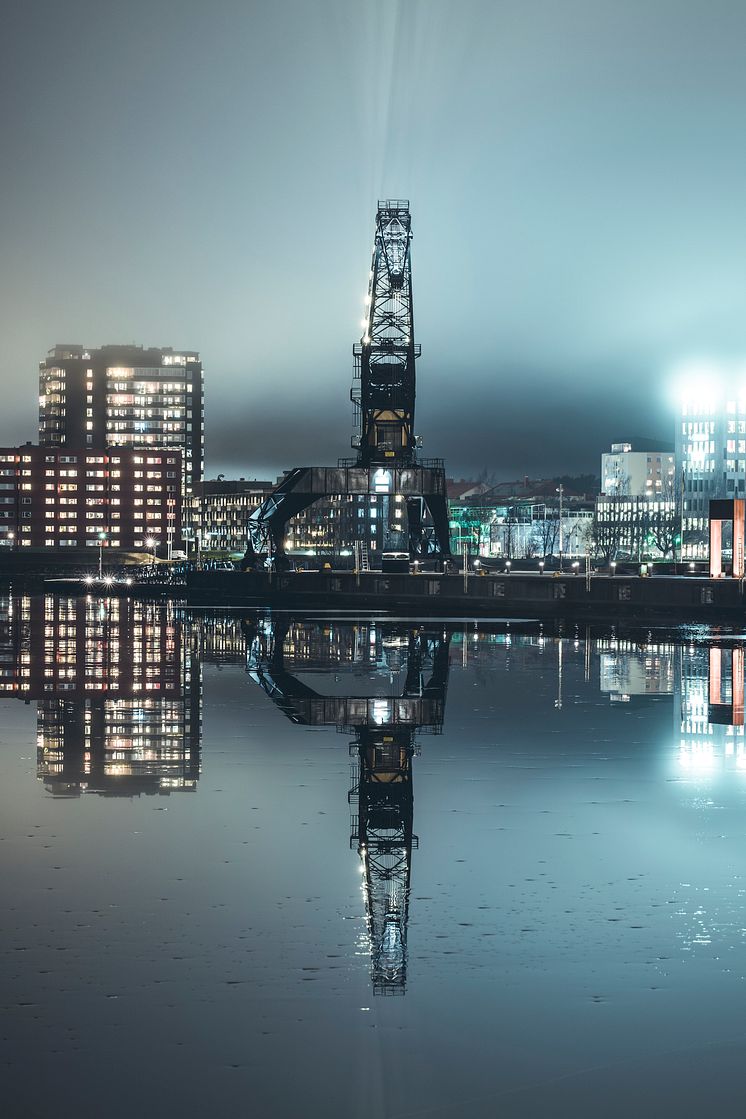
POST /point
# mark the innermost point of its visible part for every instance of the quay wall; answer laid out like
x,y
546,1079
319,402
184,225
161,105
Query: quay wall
x,y
682,598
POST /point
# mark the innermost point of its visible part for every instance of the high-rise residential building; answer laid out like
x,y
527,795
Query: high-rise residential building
x,y
125,396
711,456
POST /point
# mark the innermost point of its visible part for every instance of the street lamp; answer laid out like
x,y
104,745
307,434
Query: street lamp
x,y
560,490
541,567
151,542
101,538
612,565
507,566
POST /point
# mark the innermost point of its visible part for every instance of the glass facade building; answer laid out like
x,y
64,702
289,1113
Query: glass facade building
x,y
711,452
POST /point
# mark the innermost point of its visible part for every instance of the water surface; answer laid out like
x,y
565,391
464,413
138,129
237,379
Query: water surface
x,y
367,868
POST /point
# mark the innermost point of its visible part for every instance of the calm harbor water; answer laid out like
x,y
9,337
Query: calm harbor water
x,y
268,866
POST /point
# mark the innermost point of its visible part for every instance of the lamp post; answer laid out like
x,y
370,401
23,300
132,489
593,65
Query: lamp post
x,y
101,538
560,491
151,542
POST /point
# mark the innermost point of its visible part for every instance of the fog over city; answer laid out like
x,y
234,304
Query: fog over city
x,y
206,177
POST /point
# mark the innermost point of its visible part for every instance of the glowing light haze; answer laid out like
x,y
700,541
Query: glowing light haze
x,y
206,176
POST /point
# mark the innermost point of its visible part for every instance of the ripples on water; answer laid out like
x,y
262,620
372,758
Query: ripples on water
x,y
271,866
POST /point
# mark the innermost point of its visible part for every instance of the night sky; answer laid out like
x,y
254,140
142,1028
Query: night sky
x,y
205,175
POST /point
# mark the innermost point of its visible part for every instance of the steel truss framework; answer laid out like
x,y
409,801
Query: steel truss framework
x,y
383,391
384,743
383,396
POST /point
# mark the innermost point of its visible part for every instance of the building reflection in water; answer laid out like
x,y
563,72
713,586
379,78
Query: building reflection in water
x,y
117,688
706,680
709,712
629,667
409,669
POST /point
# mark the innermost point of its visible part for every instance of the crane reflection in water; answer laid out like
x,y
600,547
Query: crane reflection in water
x,y
408,667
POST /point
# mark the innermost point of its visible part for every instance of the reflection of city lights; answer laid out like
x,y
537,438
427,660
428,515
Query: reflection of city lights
x,y
699,759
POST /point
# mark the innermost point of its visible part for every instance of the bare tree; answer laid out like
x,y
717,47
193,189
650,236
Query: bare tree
x,y
546,534
509,533
607,532
609,527
665,521
530,546
662,530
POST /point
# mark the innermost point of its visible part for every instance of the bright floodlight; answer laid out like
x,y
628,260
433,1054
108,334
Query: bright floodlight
x,y
699,386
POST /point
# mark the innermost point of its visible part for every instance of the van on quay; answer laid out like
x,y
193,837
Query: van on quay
x,y
395,561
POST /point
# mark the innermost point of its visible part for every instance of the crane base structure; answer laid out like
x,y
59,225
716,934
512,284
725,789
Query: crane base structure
x,y
421,484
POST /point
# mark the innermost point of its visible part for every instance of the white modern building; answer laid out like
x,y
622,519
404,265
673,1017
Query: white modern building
x,y
637,511
629,471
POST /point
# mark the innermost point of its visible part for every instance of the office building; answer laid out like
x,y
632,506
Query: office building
x,y
220,510
711,453
334,525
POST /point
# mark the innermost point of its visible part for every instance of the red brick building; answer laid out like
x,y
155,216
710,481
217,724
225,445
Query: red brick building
x,y
119,497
